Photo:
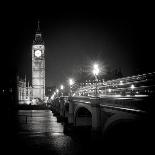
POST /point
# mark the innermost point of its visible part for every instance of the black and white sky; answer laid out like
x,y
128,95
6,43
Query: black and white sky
x,y
77,38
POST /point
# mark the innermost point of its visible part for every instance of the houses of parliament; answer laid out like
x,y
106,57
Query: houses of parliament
x,y
27,93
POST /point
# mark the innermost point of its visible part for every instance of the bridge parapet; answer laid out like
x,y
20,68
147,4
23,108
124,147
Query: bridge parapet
x,y
81,99
103,111
95,101
131,104
137,104
87,100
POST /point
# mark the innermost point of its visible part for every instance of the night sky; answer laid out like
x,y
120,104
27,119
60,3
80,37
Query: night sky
x,y
78,38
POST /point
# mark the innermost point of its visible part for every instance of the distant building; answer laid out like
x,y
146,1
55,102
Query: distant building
x,y
24,91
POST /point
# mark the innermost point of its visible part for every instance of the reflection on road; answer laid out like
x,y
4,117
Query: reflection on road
x,y
40,131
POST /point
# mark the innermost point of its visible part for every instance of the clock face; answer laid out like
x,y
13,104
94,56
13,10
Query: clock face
x,y
37,53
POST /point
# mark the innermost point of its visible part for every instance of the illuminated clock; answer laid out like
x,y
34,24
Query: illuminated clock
x,y
37,53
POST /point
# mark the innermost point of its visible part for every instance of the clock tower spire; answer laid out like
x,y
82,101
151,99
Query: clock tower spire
x,y
38,29
38,36
38,65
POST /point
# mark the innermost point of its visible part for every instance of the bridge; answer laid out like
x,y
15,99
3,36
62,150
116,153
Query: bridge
x,y
115,103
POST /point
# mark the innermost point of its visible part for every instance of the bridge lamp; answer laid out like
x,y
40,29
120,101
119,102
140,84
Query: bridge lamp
x,y
96,69
132,88
109,90
52,97
71,82
121,83
57,91
96,72
61,87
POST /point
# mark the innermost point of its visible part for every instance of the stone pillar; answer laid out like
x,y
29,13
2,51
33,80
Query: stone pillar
x,y
71,112
96,114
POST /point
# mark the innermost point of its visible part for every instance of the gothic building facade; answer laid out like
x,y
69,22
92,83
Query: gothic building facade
x,y
24,91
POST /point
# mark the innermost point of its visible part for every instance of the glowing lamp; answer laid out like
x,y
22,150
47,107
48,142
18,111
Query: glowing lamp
x,y
132,86
61,87
71,82
96,69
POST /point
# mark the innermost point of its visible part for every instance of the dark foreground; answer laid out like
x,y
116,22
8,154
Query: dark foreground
x,y
38,131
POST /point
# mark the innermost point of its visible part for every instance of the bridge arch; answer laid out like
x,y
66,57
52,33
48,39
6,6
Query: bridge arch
x,y
124,127
83,116
117,119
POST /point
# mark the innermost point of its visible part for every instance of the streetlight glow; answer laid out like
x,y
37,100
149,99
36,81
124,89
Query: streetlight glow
x,y
96,69
132,86
96,72
109,90
61,87
71,82
121,82
132,90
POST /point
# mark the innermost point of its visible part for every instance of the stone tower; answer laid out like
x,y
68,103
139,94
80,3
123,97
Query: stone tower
x,y
38,66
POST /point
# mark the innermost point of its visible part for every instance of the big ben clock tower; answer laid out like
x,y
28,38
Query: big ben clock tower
x,y
38,66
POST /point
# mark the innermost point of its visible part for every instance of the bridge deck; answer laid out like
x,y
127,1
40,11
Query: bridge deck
x,y
136,103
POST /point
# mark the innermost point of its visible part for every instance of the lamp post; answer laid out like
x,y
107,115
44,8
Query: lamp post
x,y
96,72
132,90
71,82
57,91
61,87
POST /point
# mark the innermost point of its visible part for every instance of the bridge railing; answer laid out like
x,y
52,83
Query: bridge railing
x,y
141,85
138,104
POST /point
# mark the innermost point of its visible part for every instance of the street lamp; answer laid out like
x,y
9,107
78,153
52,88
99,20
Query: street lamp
x,y
96,72
71,82
132,90
57,91
132,87
96,69
61,87
121,83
